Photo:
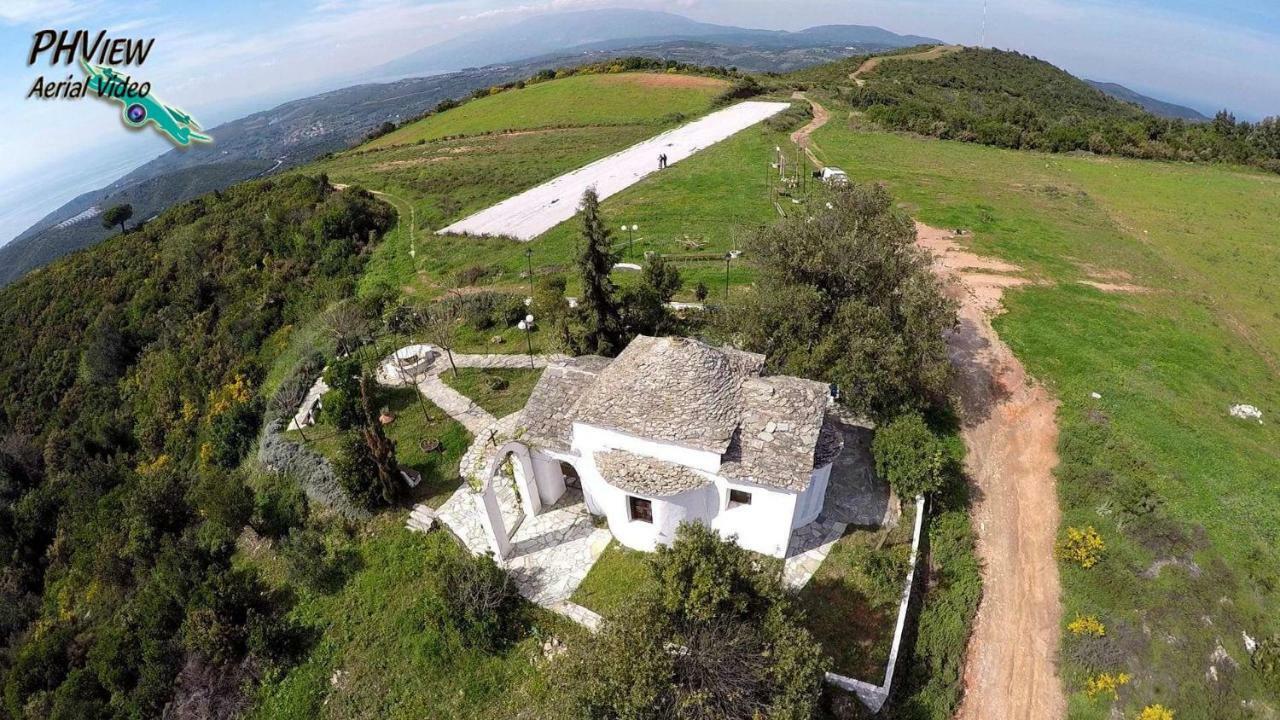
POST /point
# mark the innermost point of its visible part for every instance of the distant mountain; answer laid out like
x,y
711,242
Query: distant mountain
x,y
616,28
1150,104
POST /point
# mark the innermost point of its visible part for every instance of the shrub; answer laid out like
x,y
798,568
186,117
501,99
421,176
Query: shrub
x,y
474,275
700,291
1266,660
315,562
1082,546
480,601
742,652
909,456
341,404
1155,712
357,473
1087,625
1106,683
278,505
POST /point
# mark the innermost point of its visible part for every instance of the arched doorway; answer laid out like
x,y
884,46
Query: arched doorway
x,y
508,496
570,475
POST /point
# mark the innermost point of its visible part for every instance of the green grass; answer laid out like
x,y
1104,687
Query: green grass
x,y
1168,363
852,609
617,576
583,100
480,385
379,631
439,468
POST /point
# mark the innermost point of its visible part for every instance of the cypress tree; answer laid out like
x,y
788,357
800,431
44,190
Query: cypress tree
x,y
603,333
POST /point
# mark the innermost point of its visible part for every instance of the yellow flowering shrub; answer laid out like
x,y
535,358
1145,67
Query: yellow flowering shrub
x,y
236,392
1082,546
1155,712
1106,683
153,467
1087,625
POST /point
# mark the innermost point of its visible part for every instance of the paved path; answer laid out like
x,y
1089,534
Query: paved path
x,y
539,209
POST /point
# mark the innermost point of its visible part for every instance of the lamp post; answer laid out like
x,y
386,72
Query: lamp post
x,y
528,256
527,326
727,258
631,235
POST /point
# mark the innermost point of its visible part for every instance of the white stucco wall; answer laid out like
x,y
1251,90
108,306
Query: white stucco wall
x,y
547,477
809,502
763,526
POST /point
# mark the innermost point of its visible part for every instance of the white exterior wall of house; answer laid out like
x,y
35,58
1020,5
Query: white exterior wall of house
x,y
763,526
547,476
809,503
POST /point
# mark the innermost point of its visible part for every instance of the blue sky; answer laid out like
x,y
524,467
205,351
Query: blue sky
x,y
221,60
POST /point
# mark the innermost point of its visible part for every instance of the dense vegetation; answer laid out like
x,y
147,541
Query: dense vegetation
x,y
128,397
743,653
1010,100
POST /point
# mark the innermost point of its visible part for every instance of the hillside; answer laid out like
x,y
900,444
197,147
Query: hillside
x,y
1011,100
128,397
1159,108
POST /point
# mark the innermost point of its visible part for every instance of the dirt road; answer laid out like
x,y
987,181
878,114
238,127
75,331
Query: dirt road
x,y
872,62
1009,429
801,137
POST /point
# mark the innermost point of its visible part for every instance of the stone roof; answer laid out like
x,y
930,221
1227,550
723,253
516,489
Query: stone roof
x,y
830,444
677,390
778,433
548,414
645,475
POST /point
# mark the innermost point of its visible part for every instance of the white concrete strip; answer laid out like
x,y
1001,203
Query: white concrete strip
x,y
537,210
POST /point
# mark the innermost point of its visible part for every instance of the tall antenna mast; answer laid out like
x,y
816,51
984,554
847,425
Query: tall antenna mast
x,y
984,24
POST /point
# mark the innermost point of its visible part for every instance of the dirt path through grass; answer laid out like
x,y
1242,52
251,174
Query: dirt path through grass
x,y
1011,435
802,137
872,62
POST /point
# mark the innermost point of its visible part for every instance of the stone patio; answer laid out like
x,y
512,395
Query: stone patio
x,y
854,497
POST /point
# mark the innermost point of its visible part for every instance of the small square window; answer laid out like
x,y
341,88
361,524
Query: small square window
x,y
641,509
739,497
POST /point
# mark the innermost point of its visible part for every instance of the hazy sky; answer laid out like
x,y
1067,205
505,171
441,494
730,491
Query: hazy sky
x,y
221,60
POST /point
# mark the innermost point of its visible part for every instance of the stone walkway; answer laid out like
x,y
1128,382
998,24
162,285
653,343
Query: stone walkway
x,y
854,497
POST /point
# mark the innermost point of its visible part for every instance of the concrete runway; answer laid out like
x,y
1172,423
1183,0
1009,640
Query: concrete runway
x,y
534,211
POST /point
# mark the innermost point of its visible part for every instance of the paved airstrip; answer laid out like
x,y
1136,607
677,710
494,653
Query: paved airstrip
x,y
537,210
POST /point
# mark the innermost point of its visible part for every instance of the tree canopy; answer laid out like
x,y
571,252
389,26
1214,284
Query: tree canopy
x,y
844,295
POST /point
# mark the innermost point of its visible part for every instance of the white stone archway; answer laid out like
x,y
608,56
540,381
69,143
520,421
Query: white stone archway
x,y
490,507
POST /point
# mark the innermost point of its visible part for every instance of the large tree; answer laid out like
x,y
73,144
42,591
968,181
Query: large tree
x,y
117,215
845,295
714,635
602,332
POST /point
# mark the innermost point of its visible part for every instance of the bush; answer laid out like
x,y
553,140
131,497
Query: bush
x,y
742,652
357,472
700,291
1266,660
909,457
278,506
315,562
1155,712
341,404
1082,546
474,275
480,601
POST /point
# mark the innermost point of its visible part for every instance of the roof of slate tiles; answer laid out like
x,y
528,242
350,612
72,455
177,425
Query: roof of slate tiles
x,y
673,389
645,475
769,430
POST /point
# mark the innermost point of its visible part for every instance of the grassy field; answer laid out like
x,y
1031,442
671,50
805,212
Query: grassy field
x,y
851,603
1182,493
379,654
618,573
696,211
439,467
579,101
499,391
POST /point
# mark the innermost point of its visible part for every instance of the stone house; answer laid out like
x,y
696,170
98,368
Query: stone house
x,y
675,430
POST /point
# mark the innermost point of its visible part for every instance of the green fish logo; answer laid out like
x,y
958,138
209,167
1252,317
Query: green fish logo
x,y
140,109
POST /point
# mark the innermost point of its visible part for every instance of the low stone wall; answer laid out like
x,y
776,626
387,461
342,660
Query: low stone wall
x,y
312,471
874,696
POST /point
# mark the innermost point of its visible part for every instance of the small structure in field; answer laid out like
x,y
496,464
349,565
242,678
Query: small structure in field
x,y
834,176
